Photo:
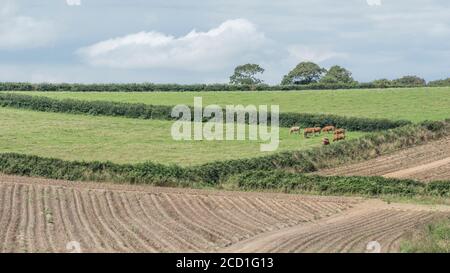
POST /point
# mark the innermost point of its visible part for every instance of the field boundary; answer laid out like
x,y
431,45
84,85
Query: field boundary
x,y
215,173
163,112
372,186
152,87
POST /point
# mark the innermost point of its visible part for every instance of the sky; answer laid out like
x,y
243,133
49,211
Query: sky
x,y
202,41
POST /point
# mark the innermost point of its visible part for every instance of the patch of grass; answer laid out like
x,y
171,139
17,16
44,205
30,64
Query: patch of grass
x,y
121,140
434,238
414,104
420,200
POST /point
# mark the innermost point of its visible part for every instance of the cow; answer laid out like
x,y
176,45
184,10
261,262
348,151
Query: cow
x,y
338,137
328,129
311,131
308,131
339,131
294,130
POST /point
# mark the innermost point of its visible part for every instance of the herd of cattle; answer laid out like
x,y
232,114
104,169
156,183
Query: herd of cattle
x,y
338,134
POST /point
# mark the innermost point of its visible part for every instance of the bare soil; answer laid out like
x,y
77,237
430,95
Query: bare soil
x,y
426,163
41,215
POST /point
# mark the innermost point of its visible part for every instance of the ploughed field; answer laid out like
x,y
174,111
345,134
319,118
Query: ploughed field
x,y
414,104
124,140
38,215
426,162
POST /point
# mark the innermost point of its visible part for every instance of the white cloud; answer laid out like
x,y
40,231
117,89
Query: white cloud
x,y
18,31
316,54
215,49
73,2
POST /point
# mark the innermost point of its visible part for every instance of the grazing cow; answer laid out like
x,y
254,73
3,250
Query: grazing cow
x,y
338,137
294,130
308,131
339,131
311,131
328,129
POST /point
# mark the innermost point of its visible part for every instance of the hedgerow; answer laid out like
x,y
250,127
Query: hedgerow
x,y
151,87
440,83
160,175
349,123
370,186
145,111
214,173
366,147
143,173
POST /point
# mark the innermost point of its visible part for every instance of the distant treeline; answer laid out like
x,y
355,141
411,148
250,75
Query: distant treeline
x,y
152,87
163,112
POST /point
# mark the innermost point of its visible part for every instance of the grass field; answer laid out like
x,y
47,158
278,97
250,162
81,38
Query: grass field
x,y
121,140
434,238
415,104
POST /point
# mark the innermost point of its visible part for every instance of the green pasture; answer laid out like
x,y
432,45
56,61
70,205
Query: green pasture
x,y
414,104
122,140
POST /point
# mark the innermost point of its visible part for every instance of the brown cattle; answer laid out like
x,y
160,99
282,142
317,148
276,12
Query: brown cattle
x,y
294,130
311,131
308,131
339,131
338,137
328,129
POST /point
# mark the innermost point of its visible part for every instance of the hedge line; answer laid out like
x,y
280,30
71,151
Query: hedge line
x,y
366,147
151,87
144,111
440,83
213,173
251,180
371,186
143,173
45,104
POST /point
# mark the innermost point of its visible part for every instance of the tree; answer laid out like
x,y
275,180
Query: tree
x,y
445,82
246,74
382,83
338,74
410,81
304,73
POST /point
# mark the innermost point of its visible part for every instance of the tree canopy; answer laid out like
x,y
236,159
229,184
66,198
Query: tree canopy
x,y
246,74
410,81
337,74
444,82
304,73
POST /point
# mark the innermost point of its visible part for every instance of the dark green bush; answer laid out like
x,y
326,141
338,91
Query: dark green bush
x,y
371,186
144,173
434,126
439,188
